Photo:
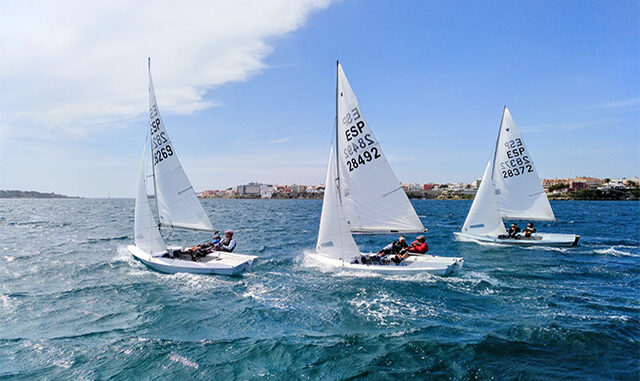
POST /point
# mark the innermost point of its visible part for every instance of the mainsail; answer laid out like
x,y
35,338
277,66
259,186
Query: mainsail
x,y
145,229
519,191
334,238
372,196
178,205
484,217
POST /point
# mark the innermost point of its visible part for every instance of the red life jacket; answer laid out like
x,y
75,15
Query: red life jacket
x,y
418,247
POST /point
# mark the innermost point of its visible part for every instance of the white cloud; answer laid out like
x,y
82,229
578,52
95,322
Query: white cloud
x,y
75,65
622,104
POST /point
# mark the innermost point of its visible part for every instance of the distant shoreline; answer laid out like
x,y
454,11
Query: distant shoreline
x,y
30,194
582,195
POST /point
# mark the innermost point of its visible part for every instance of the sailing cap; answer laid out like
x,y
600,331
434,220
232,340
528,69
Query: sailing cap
x,y
228,232
401,238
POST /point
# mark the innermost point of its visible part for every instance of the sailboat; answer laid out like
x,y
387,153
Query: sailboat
x,y
372,197
510,190
177,208
362,195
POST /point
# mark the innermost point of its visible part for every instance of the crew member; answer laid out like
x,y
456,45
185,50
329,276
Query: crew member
x,y
513,231
200,251
419,246
529,230
394,247
228,243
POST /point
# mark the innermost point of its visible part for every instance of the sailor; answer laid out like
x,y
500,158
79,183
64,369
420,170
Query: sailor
x,y
419,246
228,243
529,230
202,250
394,247
513,231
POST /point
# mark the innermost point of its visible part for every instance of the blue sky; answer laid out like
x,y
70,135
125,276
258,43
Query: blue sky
x,y
254,99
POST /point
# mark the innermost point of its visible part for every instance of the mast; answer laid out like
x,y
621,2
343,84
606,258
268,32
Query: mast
x,y
337,137
495,150
338,155
153,166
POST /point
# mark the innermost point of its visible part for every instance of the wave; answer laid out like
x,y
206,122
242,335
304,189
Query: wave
x,y
183,360
387,310
274,296
549,248
123,255
615,252
106,239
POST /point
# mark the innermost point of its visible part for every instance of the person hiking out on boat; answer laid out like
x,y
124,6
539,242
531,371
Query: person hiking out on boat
x,y
419,246
202,250
513,230
227,243
394,247
529,230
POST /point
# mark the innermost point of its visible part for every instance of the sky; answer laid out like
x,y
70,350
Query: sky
x,y
247,88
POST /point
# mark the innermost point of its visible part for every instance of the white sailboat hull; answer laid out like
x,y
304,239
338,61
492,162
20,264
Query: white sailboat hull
x,y
414,264
539,239
217,262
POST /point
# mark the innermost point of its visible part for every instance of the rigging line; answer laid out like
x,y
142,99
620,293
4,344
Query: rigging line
x,y
495,151
337,177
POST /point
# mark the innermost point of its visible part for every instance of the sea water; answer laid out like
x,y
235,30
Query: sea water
x,y
75,304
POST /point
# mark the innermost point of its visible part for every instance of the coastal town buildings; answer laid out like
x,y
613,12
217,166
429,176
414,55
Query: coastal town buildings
x,y
572,184
417,190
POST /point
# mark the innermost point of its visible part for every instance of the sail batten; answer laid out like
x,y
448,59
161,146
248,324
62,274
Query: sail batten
x,y
368,186
177,202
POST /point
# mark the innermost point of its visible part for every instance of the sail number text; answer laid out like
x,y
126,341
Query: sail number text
x,y
518,162
365,157
361,147
161,147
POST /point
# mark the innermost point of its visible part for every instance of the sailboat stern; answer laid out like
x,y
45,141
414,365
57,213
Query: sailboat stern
x,y
454,267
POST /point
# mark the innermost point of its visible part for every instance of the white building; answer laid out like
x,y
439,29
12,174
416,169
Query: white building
x,y
267,190
413,186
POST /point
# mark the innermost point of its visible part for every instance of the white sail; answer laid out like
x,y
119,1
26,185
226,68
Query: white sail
x,y
518,188
145,228
334,238
372,195
178,205
484,217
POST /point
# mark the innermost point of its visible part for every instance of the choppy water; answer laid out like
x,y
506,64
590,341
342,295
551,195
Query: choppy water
x,y
74,304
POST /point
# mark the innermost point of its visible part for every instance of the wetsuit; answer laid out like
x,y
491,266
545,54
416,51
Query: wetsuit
x,y
528,231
